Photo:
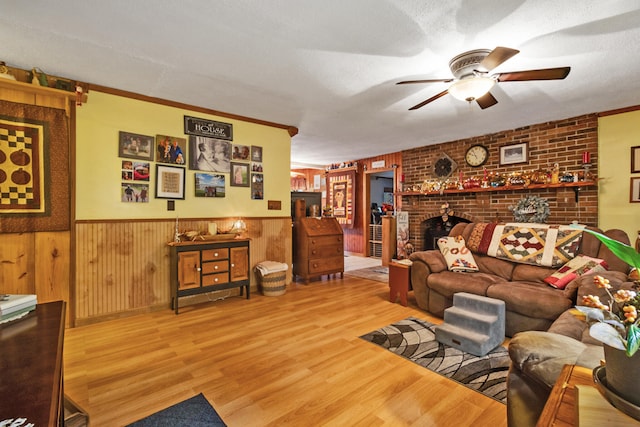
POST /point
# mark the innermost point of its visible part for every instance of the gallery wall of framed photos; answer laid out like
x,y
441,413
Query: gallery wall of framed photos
x,y
212,159
133,163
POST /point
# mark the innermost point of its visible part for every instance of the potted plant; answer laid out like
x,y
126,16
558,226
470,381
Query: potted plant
x,y
616,324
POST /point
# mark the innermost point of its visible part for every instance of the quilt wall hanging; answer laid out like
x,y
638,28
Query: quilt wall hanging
x,y
34,168
341,195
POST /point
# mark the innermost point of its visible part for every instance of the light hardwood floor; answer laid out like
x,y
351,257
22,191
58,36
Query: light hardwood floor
x,y
292,360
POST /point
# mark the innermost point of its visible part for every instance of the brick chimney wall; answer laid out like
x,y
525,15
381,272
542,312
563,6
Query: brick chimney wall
x,y
562,142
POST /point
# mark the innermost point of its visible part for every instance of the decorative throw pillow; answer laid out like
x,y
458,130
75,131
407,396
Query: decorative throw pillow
x,y
456,254
578,266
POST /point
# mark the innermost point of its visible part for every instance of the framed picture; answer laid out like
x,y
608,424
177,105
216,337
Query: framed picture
x,y
141,171
256,154
635,159
209,185
513,154
240,152
256,167
169,182
239,174
127,170
171,149
209,154
257,186
135,146
134,193
634,193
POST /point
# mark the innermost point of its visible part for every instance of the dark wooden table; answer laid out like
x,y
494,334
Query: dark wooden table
x,y
31,366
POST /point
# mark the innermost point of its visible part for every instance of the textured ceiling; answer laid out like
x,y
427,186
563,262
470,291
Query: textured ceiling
x,y
329,67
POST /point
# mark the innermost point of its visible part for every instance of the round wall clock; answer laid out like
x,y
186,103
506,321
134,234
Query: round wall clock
x,y
476,155
444,166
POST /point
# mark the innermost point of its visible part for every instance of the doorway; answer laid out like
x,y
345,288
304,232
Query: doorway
x,y
379,192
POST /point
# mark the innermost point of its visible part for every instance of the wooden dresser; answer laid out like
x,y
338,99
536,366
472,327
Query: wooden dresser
x,y
206,266
31,366
318,247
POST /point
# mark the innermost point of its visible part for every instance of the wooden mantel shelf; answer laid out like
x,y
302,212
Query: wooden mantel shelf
x,y
36,92
42,90
574,185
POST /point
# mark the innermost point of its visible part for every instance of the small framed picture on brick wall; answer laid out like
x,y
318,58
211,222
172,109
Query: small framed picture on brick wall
x,y
514,153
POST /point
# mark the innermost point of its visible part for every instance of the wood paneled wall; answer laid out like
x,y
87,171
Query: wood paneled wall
x,y
36,263
303,180
123,267
356,238
40,262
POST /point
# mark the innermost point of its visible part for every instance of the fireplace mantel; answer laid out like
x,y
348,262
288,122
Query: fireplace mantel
x,y
532,187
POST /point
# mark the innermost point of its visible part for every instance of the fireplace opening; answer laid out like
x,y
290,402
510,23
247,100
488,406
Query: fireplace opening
x,y
435,228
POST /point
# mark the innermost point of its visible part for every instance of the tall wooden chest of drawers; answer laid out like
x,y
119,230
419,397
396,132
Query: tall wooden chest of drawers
x,y
318,247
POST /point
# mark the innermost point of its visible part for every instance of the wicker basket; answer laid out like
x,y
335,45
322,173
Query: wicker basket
x,y
274,284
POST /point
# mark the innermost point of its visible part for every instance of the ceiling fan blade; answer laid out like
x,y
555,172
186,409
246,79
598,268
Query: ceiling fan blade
x,y
487,100
544,74
406,82
433,98
497,57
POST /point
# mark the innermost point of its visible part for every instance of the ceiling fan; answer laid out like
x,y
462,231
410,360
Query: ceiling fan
x,y
472,81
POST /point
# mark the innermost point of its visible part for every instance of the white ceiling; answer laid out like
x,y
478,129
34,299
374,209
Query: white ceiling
x,y
329,67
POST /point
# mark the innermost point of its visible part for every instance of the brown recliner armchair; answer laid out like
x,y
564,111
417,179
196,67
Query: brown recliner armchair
x,y
538,357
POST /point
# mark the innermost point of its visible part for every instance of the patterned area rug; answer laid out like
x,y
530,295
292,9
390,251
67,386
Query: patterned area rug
x,y
414,339
193,412
379,274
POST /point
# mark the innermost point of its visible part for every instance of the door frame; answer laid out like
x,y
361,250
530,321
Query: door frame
x,y
366,214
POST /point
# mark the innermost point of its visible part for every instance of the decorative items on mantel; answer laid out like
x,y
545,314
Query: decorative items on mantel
x,y
497,179
416,191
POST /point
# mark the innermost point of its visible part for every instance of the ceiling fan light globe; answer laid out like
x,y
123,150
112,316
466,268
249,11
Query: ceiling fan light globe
x,y
471,88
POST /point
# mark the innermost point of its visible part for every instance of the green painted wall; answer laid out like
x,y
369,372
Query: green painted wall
x,y
616,135
99,169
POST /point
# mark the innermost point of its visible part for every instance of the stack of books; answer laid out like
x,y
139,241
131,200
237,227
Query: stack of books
x,y
13,307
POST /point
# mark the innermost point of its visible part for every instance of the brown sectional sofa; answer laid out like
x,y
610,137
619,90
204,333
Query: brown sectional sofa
x,y
538,357
531,304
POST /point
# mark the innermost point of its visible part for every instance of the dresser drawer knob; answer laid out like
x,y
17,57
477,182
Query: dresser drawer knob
x,y
215,280
215,254
313,252
215,268
198,269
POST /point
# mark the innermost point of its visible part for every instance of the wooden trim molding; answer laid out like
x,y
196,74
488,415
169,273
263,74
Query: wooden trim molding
x,y
292,130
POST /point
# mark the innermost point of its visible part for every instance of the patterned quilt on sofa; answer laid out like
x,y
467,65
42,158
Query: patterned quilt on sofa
x,y
537,244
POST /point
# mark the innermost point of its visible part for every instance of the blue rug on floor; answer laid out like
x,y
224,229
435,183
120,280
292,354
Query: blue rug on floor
x,y
194,412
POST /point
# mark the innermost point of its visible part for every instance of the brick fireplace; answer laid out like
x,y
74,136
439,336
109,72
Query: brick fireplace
x,y
562,142
435,227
